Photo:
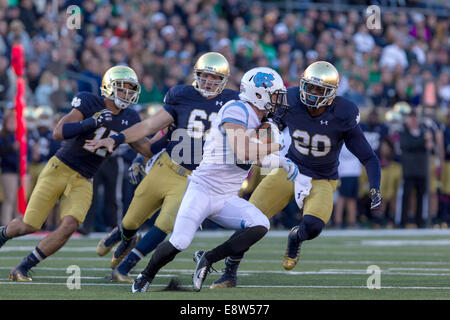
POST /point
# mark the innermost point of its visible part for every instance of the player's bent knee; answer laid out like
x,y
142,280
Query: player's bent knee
x,y
313,226
180,242
68,226
260,220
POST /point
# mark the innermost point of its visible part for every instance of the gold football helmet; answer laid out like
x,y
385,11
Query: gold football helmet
x,y
30,117
213,63
319,84
393,116
113,86
44,115
402,107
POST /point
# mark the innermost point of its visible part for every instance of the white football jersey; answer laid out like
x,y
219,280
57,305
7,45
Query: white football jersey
x,y
219,168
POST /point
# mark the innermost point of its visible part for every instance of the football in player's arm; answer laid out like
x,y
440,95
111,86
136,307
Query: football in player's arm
x,y
67,177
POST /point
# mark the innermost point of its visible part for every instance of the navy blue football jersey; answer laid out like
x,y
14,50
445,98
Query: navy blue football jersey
x,y
374,135
193,114
75,153
317,141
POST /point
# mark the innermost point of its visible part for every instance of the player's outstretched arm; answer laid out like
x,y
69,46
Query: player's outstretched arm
x,y
149,126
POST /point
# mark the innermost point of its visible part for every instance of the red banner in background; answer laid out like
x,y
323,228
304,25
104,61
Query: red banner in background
x,y
18,64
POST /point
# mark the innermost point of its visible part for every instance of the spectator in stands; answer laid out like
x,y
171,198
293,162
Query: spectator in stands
x,y
9,157
415,142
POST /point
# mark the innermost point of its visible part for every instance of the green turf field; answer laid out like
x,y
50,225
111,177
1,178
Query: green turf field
x,y
413,264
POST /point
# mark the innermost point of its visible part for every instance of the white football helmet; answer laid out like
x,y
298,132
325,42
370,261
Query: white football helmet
x,y
259,85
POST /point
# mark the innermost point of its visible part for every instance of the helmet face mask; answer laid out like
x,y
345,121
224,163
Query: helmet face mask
x,y
318,85
123,95
278,102
314,95
120,84
215,64
207,86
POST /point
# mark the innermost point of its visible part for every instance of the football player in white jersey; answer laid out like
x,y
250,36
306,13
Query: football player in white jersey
x,y
212,192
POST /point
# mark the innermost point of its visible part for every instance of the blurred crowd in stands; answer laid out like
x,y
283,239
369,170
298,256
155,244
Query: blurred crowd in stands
x,y
406,60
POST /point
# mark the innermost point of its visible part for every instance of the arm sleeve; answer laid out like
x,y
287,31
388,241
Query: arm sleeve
x,y
358,145
235,112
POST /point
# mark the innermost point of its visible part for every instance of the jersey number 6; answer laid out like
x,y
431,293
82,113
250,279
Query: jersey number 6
x,y
196,128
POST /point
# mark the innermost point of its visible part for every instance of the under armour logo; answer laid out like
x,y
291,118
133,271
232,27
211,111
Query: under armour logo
x,y
125,122
298,195
325,122
219,103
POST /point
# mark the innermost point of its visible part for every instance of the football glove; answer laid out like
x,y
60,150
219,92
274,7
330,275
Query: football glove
x,y
290,167
102,117
136,172
375,196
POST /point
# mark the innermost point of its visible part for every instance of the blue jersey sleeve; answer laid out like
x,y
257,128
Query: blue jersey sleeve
x,y
86,103
358,145
235,112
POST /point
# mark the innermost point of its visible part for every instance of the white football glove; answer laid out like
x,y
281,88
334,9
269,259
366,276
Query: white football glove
x,y
290,167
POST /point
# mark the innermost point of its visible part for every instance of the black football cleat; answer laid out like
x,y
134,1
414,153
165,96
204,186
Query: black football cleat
x,y
292,253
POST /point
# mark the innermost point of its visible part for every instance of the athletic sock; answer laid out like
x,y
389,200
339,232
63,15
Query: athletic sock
x,y
151,240
130,261
32,259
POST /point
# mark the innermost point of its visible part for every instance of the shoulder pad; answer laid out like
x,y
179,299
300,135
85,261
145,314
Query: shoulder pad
x,y
347,112
178,93
345,109
232,93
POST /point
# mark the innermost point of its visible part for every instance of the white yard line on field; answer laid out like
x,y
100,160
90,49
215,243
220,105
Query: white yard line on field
x,y
240,286
252,272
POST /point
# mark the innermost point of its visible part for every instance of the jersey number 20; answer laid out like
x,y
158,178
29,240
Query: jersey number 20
x,y
319,145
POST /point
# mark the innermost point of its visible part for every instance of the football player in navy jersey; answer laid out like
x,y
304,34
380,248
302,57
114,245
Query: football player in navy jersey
x,y
67,177
189,110
319,122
